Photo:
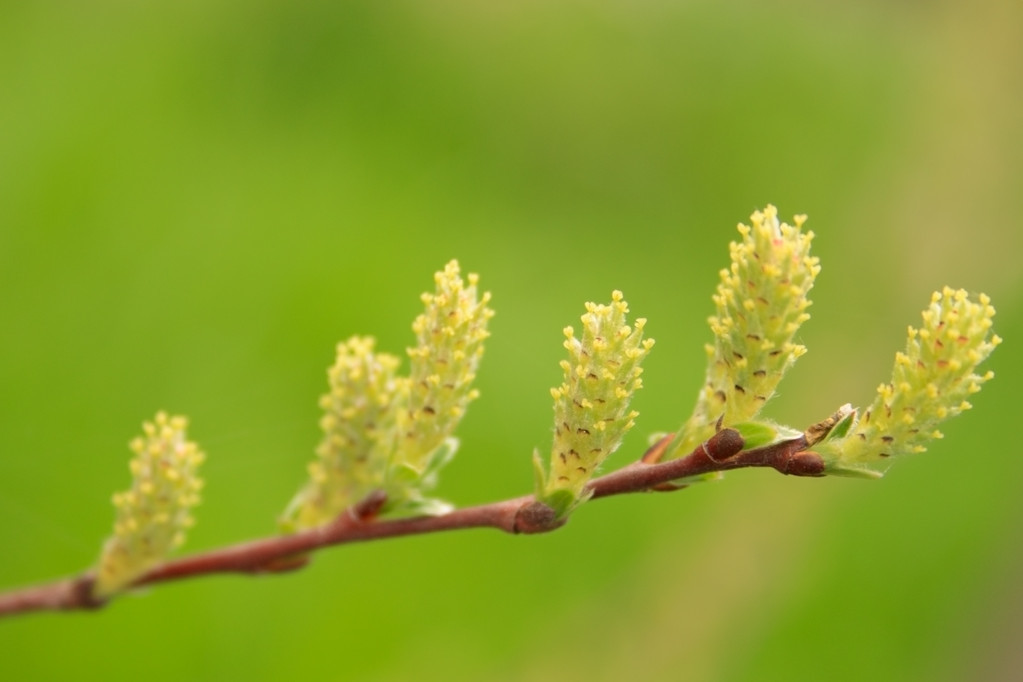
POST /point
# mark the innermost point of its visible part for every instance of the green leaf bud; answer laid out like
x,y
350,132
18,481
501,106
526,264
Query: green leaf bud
x,y
930,383
763,433
154,514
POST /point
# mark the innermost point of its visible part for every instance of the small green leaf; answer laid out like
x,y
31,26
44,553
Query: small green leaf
x,y
763,433
441,457
850,471
403,474
841,429
427,506
564,501
756,434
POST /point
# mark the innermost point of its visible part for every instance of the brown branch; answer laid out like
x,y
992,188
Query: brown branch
x,y
518,515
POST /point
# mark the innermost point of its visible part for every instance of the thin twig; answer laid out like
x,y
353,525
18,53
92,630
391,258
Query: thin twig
x,y
518,515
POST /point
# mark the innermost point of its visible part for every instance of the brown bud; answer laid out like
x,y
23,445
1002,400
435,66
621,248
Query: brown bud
x,y
536,517
804,464
724,444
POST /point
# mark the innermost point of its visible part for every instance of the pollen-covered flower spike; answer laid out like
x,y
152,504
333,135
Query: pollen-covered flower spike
x,y
449,335
591,407
930,382
760,304
390,433
358,428
152,516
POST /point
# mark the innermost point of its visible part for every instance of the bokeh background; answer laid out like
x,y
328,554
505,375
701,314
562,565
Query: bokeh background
x,y
199,199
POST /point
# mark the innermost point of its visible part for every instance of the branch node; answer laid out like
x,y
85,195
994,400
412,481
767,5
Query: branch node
x,y
81,594
803,463
363,512
723,445
536,517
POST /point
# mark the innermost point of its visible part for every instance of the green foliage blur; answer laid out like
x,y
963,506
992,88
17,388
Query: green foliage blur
x,y
199,199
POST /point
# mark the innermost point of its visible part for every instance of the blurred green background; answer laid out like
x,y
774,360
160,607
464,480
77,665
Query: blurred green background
x,y
199,199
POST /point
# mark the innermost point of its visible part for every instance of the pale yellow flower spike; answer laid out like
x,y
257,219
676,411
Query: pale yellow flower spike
x,y
591,407
761,302
358,424
930,382
154,514
450,335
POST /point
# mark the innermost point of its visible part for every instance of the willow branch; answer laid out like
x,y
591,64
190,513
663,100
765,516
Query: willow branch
x,y
360,523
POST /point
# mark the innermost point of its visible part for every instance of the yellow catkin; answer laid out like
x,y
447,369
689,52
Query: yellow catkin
x,y
449,334
930,382
154,513
382,431
591,406
358,432
761,301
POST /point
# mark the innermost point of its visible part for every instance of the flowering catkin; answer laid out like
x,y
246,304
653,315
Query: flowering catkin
x,y
760,303
930,383
154,514
591,406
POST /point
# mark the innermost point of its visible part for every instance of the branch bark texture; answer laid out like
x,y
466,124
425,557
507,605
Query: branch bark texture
x,y
724,451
